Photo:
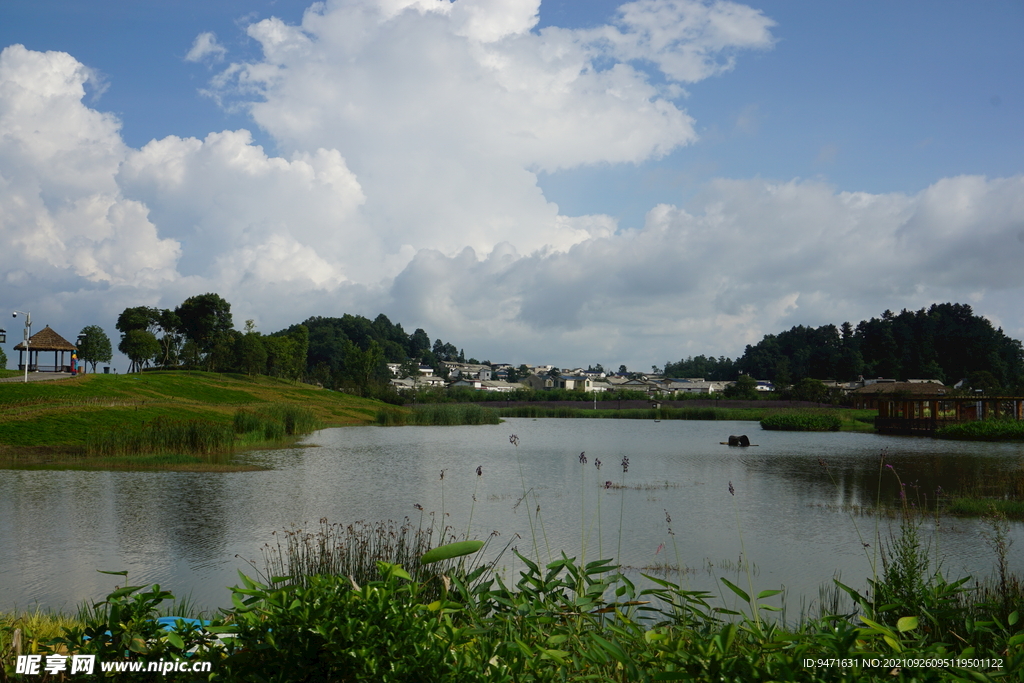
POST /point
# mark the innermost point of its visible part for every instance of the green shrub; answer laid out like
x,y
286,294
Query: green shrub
x,y
802,422
984,430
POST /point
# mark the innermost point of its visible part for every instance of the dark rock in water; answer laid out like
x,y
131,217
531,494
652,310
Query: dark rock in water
x,y
739,440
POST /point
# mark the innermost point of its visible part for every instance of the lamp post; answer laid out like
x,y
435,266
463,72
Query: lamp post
x,y
28,333
76,361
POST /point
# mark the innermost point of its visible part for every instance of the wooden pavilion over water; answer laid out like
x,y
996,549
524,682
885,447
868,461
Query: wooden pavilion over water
x,y
45,340
921,408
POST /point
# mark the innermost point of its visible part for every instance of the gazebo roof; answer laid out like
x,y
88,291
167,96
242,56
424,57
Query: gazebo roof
x,y
46,340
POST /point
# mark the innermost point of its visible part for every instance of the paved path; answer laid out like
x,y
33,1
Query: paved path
x,y
38,377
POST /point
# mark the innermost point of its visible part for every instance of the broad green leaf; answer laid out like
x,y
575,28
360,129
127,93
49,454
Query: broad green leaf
x,y
611,648
736,589
767,594
906,624
121,592
893,643
236,600
394,570
447,552
175,640
876,627
1013,618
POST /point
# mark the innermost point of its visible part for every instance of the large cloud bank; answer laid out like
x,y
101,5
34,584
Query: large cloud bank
x,y
409,136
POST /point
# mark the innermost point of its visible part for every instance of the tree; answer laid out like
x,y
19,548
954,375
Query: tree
x,y
94,346
3,359
137,318
190,355
809,389
140,346
281,356
743,388
984,381
363,367
418,343
410,368
250,353
170,325
205,319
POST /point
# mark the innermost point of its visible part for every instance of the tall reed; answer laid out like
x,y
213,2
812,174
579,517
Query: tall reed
x,y
351,550
162,435
439,414
276,421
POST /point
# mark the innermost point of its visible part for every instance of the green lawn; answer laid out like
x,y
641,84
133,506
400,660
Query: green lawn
x,y
46,422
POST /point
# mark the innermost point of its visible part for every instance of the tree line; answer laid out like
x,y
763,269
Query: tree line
x,y
350,352
947,342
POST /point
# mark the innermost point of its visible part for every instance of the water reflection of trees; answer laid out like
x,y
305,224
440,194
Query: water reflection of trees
x,y
180,514
886,478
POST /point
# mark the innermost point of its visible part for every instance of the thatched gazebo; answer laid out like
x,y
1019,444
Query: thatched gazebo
x,y
45,340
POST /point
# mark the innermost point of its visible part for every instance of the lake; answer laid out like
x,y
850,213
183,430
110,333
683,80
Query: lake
x,y
192,532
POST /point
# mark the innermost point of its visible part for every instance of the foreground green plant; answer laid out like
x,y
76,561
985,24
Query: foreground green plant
x,y
564,621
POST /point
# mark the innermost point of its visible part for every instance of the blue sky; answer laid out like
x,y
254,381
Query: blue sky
x,y
593,182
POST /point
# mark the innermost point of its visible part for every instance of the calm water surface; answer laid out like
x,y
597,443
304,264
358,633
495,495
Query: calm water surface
x,y
191,532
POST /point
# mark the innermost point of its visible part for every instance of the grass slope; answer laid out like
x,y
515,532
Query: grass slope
x,y
47,423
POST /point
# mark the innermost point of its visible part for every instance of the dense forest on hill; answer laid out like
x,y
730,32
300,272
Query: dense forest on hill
x,y
352,350
945,342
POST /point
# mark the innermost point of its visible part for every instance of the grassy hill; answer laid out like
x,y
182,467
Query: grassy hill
x,y
47,423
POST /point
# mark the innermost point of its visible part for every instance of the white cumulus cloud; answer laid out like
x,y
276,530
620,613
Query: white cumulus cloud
x,y
446,111
205,46
408,137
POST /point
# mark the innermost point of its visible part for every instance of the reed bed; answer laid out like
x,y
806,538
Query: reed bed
x,y
983,430
162,435
666,413
978,507
201,437
351,550
802,422
439,414
276,421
